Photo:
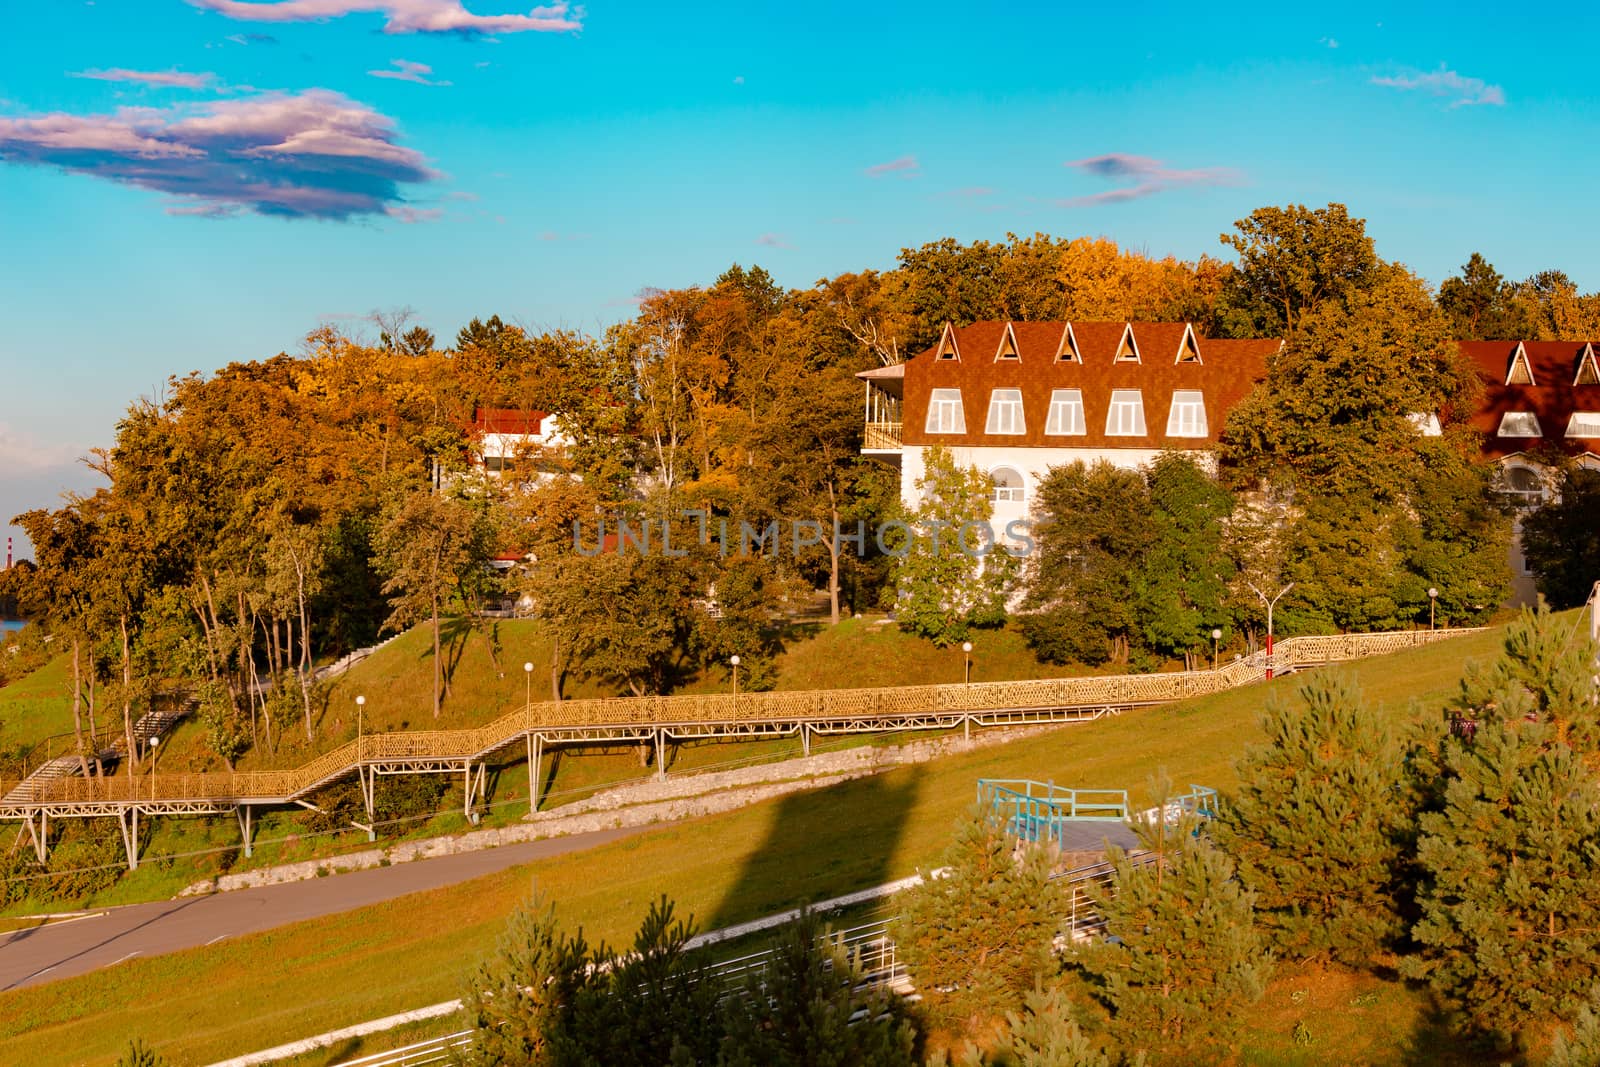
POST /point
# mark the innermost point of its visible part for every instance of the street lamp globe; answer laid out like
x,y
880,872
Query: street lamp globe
x,y
966,646
528,668
1433,594
734,660
361,701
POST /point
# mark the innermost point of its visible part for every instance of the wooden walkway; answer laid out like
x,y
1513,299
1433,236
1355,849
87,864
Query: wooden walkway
x,y
659,721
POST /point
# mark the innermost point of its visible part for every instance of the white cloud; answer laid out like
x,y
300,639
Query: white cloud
x,y
1149,176
407,71
905,167
158,79
1463,91
402,16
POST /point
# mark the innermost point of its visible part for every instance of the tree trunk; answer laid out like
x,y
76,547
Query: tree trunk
x,y
127,695
555,668
305,642
77,702
833,560
438,664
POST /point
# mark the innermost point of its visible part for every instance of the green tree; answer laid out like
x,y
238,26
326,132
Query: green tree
x,y
1093,525
430,545
1482,305
1291,261
1180,582
1321,827
1561,540
812,1008
138,1054
520,1000
1509,928
654,1005
955,574
1182,958
1579,1047
977,938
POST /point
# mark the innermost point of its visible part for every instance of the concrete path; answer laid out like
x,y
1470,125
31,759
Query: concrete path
x,y
61,950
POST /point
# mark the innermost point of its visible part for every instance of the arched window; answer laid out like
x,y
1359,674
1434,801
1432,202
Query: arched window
x,y
1007,485
1523,486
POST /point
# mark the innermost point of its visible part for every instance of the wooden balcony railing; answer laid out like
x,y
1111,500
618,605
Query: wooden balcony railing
x,y
882,437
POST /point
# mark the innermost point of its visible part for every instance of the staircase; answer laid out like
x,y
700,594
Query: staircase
x,y
151,724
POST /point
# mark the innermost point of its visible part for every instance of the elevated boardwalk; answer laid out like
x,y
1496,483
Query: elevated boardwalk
x,y
657,720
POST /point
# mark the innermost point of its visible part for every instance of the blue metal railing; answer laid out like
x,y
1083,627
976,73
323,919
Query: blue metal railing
x,y
1040,811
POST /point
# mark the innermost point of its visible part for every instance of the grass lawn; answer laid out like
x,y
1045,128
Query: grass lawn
x,y
36,706
318,975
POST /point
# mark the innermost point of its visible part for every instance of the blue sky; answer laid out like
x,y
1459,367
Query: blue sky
x,y
188,182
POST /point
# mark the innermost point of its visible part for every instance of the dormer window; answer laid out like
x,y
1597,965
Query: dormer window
x,y
1588,368
1008,345
1520,424
1127,348
1425,423
1067,350
1066,414
1188,415
1005,412
1125,418
948,349
1584,424
944,412
1188,348
1521,371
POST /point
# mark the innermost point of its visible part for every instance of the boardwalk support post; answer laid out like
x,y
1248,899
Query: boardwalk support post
x,y
128,823
242,813
661,755
367,777
966,728
805,739
534,745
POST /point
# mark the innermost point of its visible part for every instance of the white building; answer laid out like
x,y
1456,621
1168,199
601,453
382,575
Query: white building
x,y
509,441
1017,398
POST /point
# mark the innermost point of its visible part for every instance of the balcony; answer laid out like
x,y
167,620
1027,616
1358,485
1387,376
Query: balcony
x,y
881,437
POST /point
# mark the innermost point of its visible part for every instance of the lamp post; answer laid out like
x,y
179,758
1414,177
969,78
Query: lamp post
x,y
966,655
1433,599
361,707
155,750
527,673
1270,604
734,659
1216,635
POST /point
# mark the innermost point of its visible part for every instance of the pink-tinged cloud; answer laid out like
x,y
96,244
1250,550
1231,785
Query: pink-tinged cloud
x,y
407,71
905,167
403,16
158,79
1149,176
772,240
409,215
315,154
1465,91
971,192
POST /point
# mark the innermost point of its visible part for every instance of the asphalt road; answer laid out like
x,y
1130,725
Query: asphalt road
x,y
61,950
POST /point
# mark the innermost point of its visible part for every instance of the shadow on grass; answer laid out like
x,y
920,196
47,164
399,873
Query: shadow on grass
x,y
850,830
1438,1041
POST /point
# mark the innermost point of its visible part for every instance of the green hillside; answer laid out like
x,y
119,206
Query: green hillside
x,y
725,868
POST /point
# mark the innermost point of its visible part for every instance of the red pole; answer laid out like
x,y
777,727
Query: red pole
x,y
1269,646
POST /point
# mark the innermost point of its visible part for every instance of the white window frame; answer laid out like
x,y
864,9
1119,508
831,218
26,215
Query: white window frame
x,y
1007,494
1584,424
1187,418
1005,413
1066,418
1512,426
1125,414
946,413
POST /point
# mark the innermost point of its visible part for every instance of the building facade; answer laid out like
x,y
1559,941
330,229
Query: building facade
x,y
1017,398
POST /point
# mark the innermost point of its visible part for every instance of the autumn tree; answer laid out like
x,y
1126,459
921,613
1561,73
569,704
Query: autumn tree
x,y
1561,540
1291,261
1482,305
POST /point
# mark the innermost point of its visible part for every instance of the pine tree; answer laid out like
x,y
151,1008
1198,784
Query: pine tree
x,y
1044,1034
655,1005
1545,672
1321,826
1510,927
1182,956
520,1000
139,1054
800,1013
977,938
1580,1048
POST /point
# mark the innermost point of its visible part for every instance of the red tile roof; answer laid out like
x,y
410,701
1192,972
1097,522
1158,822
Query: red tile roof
x,y
511,421
1226,373
1552,398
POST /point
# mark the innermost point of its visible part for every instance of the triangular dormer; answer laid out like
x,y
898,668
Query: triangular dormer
x,y
947,344
1588,368
1067,350
1188,348
1521,371
1127,348
1008,346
